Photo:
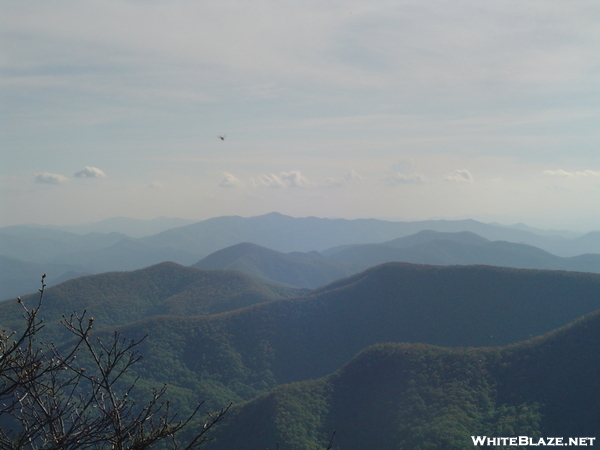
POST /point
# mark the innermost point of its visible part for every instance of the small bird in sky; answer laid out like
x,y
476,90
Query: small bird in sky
x,y
222,137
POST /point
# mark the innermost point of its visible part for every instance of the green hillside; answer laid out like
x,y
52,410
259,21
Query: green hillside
x,y
236,355
222,336
118,298
417,397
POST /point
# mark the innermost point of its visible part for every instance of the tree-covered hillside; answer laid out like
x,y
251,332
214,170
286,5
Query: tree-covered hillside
x,y
417,397
222,336
118,298
237,355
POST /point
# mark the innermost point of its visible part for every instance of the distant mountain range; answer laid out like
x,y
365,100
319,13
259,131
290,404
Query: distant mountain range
x,y
287,234
466,248
123,225
356,355
313,269
307,270
66,254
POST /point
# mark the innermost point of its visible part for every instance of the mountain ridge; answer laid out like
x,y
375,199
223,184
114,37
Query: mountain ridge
x,y
362,353
117,298
239,354
420,396
315,269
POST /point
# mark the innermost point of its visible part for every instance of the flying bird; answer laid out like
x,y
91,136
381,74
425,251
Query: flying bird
x,y
222,137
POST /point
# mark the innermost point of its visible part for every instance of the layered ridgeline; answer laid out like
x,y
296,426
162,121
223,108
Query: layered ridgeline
x,y
27,252
314,269
385,392
307,270
119,298
237,355
432,247
417,397
286,234
65,254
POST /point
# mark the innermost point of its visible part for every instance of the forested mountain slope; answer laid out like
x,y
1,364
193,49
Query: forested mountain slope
x,y
405,394
417,397
118,298
239,354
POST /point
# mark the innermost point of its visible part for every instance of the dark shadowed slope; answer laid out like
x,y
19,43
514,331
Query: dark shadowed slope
x,y
308,270
415,396
404,395
238,354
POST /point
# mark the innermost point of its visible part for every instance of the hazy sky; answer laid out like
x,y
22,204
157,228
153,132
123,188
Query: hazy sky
x,y
390,109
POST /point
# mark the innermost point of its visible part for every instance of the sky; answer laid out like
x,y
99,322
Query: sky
x,y
402,110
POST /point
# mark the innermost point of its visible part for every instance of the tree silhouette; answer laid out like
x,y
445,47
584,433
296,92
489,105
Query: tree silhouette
x,y
73,397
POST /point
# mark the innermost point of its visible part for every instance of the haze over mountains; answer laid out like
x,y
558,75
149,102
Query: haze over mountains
x,y
314,269
66,254
321,332
124,225
266,337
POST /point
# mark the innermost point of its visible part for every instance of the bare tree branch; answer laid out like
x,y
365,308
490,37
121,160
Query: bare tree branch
x,y
53,402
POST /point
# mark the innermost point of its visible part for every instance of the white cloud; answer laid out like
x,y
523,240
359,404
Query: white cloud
x,y
365,83
564,174
90,172
294,179
463,176
230,181
286,179
50,178
339,182
271,181
157,185
401,178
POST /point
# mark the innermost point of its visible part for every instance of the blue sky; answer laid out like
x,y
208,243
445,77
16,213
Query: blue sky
x,y
406,109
